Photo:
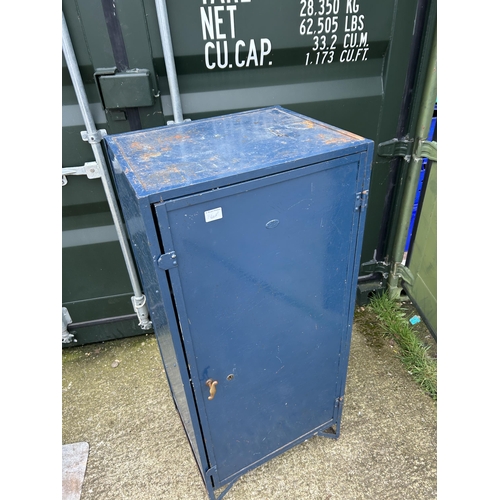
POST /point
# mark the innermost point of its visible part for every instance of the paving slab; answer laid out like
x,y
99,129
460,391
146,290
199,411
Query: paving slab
x,y
74,463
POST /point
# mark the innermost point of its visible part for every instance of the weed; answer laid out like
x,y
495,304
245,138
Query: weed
x,y
413,353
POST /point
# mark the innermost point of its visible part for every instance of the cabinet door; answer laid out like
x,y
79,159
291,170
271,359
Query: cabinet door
x,y
262,290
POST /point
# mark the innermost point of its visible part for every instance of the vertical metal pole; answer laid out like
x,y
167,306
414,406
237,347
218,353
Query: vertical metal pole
x,y
414,167
168,54
94,137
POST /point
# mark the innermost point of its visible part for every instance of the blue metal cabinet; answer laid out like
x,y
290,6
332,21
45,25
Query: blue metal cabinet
x,y
246,231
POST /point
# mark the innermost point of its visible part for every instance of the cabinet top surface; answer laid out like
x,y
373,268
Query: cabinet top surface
x,y
175,156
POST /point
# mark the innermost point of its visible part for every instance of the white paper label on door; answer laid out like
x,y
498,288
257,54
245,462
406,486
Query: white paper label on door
x,y
214,214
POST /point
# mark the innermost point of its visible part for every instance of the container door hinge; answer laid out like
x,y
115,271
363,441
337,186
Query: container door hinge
x,y
398,274
167,261
426,149
407,147
384,268
396,147
361,200
403,272
375,266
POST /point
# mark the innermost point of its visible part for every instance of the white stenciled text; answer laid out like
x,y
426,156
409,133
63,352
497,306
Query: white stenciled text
x,y
327,22
223,49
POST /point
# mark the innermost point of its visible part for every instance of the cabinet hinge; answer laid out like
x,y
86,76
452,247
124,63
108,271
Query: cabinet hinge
x,y
167,261
361,200
210,475
212,471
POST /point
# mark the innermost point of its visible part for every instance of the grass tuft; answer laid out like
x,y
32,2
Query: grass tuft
x,y
413,353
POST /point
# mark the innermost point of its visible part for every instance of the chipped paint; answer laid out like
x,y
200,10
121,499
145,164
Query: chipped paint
x,y
148,156
179,155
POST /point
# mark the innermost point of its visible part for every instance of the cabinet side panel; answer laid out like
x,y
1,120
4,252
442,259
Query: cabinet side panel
x,y
141,230
359,219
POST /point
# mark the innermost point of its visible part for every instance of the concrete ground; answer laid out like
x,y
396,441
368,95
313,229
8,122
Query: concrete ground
x,y
116,398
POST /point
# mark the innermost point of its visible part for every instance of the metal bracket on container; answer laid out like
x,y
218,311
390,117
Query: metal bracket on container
x,y
95,137
90,169
131,88
172,122
67,337
139,305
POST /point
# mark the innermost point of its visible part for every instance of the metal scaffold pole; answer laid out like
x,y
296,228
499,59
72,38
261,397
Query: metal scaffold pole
x,y
94,137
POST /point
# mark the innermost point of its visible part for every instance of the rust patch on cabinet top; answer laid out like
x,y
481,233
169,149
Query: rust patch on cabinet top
x,y
353,136
148,156
180,137
207,150
156,141
170,174
337,139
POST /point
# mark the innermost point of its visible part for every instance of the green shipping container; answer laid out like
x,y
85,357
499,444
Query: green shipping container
x,y
355,64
